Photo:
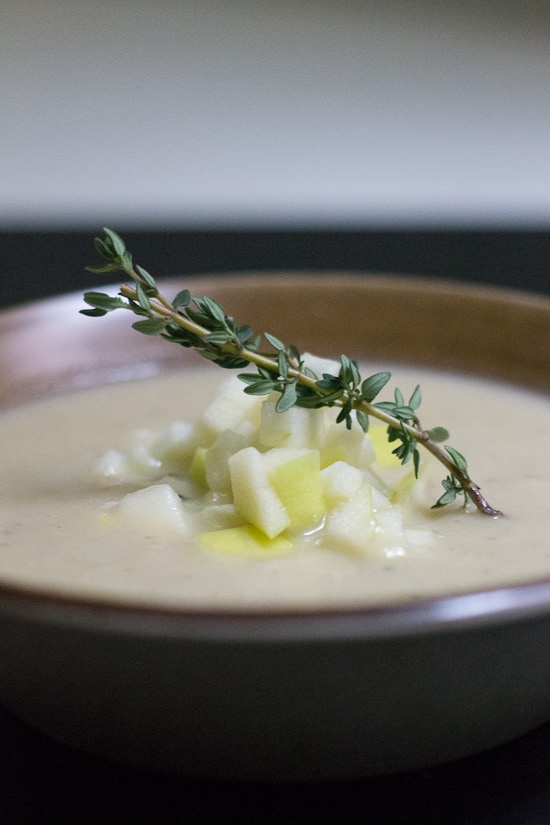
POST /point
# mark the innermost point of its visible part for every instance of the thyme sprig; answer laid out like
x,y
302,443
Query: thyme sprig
x,y
201,323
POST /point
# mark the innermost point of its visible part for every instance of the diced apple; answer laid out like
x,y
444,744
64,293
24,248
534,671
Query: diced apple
x,y
341,444
253,495
296,427
197,470
340,481
229,409
219,517
350,526
355,525
216,457
383,449
246,541
116,467
157,508
296,477
321,365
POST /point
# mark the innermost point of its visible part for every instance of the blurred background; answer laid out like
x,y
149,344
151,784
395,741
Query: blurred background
x,y
397,136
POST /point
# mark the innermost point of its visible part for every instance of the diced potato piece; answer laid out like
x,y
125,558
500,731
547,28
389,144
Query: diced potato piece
x,y
296,477
157,509
296,427
229,409
340,481
253,495
216,467
245,541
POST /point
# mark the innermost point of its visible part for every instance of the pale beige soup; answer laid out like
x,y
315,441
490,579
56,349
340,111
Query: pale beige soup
x,y
52,535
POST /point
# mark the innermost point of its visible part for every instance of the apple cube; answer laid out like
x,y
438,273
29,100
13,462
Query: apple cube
x,y
383,449
157,508
352,526
229,409
218,517
115,467
246,541
296,427
253,495
296,477
321,365
216,457
340,481
352,446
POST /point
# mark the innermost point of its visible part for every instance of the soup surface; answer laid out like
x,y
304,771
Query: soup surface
x,y
53,536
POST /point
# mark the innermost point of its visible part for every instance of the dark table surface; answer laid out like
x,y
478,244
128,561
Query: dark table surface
x,y
42,781
46,782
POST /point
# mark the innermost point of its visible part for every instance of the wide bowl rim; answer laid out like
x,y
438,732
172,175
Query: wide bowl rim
x,y
474,608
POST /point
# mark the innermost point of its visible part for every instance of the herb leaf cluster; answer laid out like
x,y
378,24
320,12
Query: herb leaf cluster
x,y
202,323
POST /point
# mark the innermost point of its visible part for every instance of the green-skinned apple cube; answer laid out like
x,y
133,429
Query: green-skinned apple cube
x,y
247,541
253,495
296,477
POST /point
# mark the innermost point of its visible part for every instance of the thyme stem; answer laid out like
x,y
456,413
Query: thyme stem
x,y
207,328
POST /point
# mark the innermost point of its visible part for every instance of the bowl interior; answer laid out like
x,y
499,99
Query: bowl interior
x,y
48,347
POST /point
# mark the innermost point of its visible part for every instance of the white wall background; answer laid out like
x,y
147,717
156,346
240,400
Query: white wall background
x,y
229,112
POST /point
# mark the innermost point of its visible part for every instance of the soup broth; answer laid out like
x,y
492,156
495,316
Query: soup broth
x,y
53,533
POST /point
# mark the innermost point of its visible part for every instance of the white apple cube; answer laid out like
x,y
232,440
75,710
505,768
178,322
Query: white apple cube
x,y
229,409
340,481
352,446
155,509
321,365
358,524
219,517
350,526
296,427
116,467
216,457
253,495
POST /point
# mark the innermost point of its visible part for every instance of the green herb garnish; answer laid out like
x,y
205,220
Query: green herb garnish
x,y
202,324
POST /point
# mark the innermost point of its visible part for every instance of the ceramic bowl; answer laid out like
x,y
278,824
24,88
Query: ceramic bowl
x,y
311,696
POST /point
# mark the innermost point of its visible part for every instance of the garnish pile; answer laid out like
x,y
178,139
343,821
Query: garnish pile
x,y
201,323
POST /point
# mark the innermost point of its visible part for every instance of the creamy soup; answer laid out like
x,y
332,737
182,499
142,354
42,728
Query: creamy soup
x,y
53,533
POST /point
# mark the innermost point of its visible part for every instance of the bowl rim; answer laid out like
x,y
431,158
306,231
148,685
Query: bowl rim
x,y
475,608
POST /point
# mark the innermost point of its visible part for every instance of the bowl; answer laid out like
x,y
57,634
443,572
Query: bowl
x,y
319,695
